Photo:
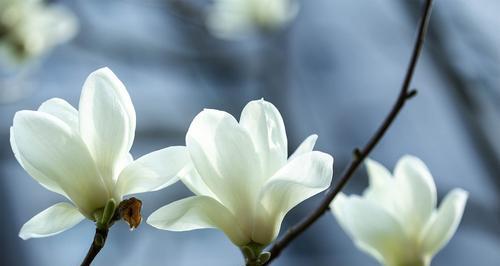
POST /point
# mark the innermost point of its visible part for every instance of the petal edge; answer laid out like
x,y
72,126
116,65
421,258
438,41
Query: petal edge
x,y
51,221
197,212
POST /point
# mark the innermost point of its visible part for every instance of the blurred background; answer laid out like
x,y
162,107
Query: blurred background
x,y
335,70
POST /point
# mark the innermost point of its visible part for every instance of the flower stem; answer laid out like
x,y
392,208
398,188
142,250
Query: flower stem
x,y
99,240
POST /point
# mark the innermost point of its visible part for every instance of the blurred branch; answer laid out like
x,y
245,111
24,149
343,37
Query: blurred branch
x,y
360,154
187,9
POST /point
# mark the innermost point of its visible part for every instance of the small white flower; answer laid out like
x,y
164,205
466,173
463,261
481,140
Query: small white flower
x,y
243,181
233,18
396,220
30,28
84,154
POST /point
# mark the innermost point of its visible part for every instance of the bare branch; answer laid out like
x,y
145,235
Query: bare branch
x,y
359,155
96,246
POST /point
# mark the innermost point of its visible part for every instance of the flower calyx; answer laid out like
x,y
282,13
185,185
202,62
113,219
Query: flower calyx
x,y
129,210
254,254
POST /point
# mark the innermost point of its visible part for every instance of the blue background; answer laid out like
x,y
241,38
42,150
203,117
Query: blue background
x,y
335,71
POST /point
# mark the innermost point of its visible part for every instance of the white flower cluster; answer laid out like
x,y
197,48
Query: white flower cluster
x,y
243,180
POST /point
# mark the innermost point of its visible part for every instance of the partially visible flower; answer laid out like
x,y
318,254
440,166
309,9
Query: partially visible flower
x,y
84,154
243,181
396,220
233,18
30,28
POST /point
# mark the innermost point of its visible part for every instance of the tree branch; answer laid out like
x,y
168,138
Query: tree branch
x,y
97,245
404,95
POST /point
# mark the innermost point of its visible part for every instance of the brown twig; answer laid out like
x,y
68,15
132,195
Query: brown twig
x,y
360,154
97,244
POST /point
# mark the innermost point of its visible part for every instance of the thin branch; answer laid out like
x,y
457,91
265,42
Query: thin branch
x,y
360,154
97,245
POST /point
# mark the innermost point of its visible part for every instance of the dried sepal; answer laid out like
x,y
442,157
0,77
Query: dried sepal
x,y
129,210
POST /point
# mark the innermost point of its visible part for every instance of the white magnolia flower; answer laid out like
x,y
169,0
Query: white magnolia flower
x,y
396,220
232,18
243,181
84,154
29,28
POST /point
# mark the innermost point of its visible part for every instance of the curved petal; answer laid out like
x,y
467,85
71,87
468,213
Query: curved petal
x,y
107,121
306,146
62,110
225,158
382,237
40,177
378,175
267,225
417,193
382,189
265,126
297,181
124,162
300,179
442,227
198,212
50,146
53,220
193,181
337,207
153,171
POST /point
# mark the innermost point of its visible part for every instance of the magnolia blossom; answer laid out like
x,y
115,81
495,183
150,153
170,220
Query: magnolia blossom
x,y
29,28
243,181
396,220
84,154
232,18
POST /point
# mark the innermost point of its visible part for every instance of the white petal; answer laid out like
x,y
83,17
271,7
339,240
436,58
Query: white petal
x,y
382,188
193,181
442,227
50,146
153,171
379,175
46,182
53,220
417,193
370,227
124,162
265,126
198,212
300,179
225,158
62,110
306,146
107,120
